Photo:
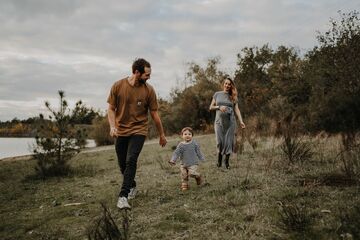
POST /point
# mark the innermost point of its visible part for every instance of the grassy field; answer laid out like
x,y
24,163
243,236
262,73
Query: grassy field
x,y
260,197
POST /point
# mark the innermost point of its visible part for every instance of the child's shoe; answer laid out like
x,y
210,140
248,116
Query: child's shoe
x,y
198,180
184,186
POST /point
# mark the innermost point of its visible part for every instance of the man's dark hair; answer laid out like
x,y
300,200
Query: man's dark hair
x,y
140,64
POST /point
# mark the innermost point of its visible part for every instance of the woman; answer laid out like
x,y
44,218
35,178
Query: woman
x,y
227,110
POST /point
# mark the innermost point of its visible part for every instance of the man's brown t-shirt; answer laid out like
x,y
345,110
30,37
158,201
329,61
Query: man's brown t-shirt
x,y
131,106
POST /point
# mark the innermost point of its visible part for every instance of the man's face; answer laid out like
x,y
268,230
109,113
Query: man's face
x,y
146,75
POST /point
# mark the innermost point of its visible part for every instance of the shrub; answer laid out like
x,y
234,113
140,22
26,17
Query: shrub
x,y
250,134
294,217
100,132
295,150
351,162
105,227
293,147
350,222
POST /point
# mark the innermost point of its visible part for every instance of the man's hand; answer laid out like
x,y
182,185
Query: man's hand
x,y
113,132
172,162
162,140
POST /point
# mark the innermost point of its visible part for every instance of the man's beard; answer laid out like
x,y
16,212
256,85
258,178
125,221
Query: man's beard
x,y
142,81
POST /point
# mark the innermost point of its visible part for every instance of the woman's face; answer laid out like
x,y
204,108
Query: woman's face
x,y
227,85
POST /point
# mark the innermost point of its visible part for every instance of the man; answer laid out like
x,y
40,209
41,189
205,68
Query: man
x,y
129,100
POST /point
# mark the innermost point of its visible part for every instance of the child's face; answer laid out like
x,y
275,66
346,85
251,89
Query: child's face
x,y
187,136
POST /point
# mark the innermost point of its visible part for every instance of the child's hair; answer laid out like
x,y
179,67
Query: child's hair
x,y
187,129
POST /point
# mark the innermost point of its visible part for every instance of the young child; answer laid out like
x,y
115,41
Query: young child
x,y
189,153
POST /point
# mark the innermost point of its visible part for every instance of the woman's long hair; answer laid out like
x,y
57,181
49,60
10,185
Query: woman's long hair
x,y
232,92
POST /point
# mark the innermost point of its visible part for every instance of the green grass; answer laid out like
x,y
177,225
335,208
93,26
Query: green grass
x,y
246,202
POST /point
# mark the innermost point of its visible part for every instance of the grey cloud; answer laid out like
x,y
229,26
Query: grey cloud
x,y
24,79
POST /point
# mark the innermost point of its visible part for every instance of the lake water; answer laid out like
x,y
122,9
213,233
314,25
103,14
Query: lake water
x,y
12,147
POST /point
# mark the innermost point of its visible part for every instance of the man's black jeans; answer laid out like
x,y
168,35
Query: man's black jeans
x,y
127,151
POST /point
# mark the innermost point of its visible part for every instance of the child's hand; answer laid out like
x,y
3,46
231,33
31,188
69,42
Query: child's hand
x,y
172,162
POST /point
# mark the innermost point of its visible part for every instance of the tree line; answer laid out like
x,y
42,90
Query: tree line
x,y
79,115
313,92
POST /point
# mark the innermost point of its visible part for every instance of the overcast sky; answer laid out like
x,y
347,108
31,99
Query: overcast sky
x,y
83,46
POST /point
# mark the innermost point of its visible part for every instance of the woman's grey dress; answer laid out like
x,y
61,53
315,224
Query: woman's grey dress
x,y
225,123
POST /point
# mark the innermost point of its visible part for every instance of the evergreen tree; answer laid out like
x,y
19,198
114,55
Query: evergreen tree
x,y
57,141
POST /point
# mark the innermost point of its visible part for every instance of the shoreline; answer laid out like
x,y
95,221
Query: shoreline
x,y
17,158
96,149
30,156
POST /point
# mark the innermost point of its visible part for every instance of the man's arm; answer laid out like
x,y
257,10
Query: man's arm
x,y
155,116
111,119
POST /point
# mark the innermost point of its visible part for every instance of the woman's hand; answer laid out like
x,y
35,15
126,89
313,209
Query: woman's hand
x,y
222,109
242,125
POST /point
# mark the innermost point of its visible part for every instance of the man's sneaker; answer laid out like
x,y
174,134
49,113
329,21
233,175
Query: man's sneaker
x,y
123,203
132,193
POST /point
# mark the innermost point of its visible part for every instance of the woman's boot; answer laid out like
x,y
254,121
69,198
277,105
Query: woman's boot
x,y
227,161
219,160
